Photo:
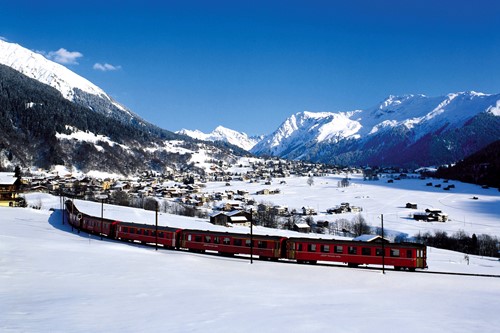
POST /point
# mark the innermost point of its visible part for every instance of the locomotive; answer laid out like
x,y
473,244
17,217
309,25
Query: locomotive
x,y
299,249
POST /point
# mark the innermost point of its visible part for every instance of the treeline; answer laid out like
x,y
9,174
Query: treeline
x,y
484,245
481,168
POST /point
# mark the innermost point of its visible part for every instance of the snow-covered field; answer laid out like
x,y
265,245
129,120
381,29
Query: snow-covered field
x,y
55,280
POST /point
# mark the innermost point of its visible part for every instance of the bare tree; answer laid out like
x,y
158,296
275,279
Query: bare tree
x,y
359,226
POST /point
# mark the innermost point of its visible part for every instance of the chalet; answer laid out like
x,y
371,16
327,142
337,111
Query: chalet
x,y
431,215
263,192
308,211
280,210
302,227
9,190
238,217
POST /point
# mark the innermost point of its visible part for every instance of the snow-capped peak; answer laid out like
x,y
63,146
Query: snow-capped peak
x,y
36,66
222,133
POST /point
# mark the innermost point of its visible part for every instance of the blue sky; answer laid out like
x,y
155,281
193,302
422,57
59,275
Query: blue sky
x,y
248,65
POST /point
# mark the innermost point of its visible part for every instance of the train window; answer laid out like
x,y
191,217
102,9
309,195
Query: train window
x,y
352,250
325,248
227,240
409,254
208,239
125,229
339,249
160,234
237,242
299,247
189,238
262,244
379,252
248,243
153,233
311,247
146,232
216,240
366,251
394,252
197,238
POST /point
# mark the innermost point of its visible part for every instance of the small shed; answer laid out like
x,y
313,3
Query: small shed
x,y
302,227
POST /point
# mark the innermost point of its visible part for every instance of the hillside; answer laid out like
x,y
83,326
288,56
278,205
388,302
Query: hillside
x,y
482,167
41,128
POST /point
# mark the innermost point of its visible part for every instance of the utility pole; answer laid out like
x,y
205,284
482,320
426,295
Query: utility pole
x,y
383,244
102,216
251,236
102,197
156,224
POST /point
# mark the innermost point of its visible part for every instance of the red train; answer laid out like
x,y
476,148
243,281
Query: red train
x,y
302,250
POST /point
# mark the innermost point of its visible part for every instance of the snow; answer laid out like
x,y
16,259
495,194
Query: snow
x,y
36,66
222,133
495,110
56,280
389,199
419,113
90,137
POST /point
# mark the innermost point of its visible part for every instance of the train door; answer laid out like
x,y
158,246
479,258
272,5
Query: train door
x,y
421,255
290,250
283,247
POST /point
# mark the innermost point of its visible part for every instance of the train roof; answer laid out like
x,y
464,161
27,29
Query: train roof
x,y
147,226
353,242
232,234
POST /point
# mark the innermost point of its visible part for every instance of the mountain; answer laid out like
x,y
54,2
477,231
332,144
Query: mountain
x,y
411,130
482,167
71,86
51,116
223,134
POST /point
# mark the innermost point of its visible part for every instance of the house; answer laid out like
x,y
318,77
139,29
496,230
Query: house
x,y
431,215
238,217
9,190
302,227
308,211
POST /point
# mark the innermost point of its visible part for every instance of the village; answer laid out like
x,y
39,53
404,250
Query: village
x,y
183,192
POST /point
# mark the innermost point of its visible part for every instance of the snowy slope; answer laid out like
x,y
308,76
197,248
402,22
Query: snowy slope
x,y
221,133
55,280
397,121
36,66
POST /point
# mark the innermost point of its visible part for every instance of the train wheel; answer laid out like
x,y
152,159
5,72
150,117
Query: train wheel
x,y
397,268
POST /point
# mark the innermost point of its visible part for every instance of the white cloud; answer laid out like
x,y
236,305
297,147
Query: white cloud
x,y
64,56
3,38
106,67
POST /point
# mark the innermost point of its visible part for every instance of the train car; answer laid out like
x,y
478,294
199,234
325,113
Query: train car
x,y
90,224
146,233
74,215
98,226
354,253
266,247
